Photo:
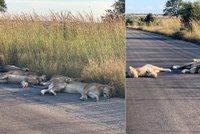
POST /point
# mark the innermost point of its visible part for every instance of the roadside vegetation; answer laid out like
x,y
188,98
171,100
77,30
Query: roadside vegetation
x,y
66,44
180,20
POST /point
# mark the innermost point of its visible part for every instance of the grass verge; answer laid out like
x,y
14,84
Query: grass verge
x,y
76,46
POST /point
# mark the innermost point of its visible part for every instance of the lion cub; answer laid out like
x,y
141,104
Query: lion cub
x,y
191,67
147,70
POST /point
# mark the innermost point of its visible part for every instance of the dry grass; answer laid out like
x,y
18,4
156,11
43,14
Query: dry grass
x,y
76,46
172,27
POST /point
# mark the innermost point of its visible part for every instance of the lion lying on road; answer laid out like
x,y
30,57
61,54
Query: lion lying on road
x,y
22,77
7,68
147,70
191,67
66,84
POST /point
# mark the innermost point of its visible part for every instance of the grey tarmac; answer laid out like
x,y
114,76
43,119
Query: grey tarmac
x,y
25,111
169,104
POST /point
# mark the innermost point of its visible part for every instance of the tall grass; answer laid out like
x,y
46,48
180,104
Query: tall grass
x,y
76,46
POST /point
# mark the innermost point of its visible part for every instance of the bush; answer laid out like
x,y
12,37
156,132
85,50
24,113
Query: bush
x,y
178,35
149,18
189,12
129,21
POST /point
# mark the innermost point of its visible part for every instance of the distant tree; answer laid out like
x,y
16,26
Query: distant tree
x,y
172,7
149,18
3,6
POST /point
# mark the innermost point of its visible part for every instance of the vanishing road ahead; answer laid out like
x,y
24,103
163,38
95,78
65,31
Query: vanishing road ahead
x,y
25,111
170,103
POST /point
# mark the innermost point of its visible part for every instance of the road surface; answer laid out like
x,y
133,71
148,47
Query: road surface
x,y
170,103
25,111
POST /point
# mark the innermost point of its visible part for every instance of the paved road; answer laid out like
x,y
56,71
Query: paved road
x,y
25,111
170,103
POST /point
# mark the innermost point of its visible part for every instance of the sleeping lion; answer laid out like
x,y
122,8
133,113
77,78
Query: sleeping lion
x,y
7,68
147,70
68,85
22,77
191,67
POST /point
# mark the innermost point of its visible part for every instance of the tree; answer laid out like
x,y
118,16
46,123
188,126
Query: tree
x,y
119,6
196,11
117,13
149,18
172,7
190,12
3,6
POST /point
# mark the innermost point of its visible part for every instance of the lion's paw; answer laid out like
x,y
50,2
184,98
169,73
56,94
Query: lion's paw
x,y
83,98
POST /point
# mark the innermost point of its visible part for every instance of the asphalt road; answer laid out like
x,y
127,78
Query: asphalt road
x,y
170,103
25,111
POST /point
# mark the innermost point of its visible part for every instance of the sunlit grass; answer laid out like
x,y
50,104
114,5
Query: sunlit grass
x,y
76,46
172,27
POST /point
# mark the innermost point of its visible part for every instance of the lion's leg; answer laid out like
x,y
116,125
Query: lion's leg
x,y
49,90
45,83
83,97
3,81
52,91
151,73
198,71
184,66
3,77
185,71
44,91
93,96
24,84
158,69
193,70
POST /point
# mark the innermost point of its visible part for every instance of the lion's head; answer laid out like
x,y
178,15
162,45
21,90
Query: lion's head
x,y
41,78
133,71
107,91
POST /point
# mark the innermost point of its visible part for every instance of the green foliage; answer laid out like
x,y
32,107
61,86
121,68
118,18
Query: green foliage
x,y
172,7
196,11
189,12
149,18
119,7
129,21
3,6
116,13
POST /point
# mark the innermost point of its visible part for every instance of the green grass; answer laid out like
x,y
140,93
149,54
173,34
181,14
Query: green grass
x,y
75,46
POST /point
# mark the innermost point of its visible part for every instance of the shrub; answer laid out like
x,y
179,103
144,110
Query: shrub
x,y
129,21
189,12
149,18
